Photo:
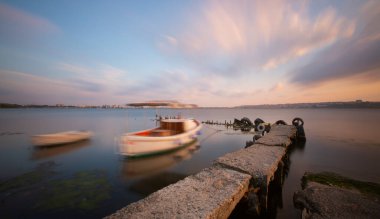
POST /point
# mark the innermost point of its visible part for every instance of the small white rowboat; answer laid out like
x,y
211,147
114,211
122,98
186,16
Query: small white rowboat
x,y
172,134
60,138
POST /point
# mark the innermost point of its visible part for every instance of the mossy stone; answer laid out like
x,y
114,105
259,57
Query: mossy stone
x,y
333,179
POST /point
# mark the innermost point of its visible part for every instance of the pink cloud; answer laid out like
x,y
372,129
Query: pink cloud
x,y
106,78
277,87
355,56
235,37
23,87
26,88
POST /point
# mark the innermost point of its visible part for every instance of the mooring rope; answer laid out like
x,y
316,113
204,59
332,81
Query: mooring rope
x,y
211,134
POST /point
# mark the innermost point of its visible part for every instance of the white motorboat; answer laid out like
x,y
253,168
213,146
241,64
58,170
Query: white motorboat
x,y
60,138
172,134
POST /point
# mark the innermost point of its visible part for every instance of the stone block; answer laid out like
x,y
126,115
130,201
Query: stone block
x,y
289,131
273,140
212,193
325,201
259,161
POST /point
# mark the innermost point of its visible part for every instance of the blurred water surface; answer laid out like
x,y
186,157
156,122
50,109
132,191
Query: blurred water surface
x,y
90,180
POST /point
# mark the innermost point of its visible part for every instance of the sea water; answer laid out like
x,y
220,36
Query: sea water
x,y
91,180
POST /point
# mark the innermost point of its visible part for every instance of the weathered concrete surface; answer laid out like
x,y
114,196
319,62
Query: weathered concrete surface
x,y
259,161
279,135
323,201
212,193
289,131
271,140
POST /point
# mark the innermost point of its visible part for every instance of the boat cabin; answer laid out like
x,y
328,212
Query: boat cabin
x,y
173,127
170,127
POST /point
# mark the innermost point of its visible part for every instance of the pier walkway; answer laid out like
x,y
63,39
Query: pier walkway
x,y
215,191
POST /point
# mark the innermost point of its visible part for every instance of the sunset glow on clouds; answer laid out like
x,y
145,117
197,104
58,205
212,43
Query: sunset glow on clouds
x,y
211,53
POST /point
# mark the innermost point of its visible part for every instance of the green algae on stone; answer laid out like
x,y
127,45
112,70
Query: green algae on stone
x,y
21,181
333,179
29,179
84,191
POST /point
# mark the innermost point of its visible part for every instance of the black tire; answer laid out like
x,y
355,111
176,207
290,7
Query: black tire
x,y
297,122
261,127
281,122
258,121
246,121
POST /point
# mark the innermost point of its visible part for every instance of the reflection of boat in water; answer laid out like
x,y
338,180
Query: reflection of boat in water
x,y
60,138
46,152
172,134
152,164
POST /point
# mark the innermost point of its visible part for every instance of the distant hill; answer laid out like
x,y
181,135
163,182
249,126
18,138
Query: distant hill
x,y
162,103
10,105
172,104
351,104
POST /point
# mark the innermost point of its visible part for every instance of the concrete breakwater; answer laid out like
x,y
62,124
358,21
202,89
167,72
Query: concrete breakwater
x,y
330,195
214,192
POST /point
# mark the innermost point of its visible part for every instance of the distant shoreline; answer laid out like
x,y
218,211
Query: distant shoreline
x,y
333,105
339,105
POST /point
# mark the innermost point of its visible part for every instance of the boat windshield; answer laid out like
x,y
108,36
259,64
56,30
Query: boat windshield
x,y
176,127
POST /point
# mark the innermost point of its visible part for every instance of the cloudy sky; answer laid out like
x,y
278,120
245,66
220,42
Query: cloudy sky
x,y
211,53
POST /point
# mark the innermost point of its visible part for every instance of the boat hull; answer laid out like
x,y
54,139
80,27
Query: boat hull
x,y
60,138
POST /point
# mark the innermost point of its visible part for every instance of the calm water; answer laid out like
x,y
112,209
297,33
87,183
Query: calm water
x,y
90,180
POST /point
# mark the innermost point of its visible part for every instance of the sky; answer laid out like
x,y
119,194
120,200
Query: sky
x,y
210,53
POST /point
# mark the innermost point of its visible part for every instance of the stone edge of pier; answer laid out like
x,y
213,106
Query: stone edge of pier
x,y
215,191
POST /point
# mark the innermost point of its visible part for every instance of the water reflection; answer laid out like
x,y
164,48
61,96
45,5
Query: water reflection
x,y
149,165
298,145
275,191
247,209
338,140
156,182
52,151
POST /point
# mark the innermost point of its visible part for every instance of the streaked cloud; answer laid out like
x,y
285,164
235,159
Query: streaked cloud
x,y
67,67
87,85
19,24
355,56
163,85
241,37
28,88
90,85
102,77
277,87
212,53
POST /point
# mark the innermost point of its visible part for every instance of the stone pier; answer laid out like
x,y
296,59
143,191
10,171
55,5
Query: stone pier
x,y
215,191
